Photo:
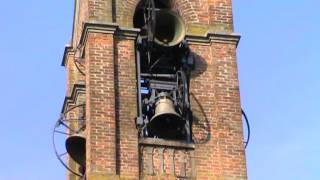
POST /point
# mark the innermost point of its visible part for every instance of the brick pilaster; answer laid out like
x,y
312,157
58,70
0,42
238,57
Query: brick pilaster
x,y
228,107
100,109
126,108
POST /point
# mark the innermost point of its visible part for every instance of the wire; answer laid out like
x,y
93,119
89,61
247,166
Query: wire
x,y
73,107
248,128
77,62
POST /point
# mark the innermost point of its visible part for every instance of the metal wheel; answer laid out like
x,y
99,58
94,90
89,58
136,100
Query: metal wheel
x,y
149,15
64,128
182,91
149,19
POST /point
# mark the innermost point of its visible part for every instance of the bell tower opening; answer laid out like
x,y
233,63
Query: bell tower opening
x,y
164,72
138,18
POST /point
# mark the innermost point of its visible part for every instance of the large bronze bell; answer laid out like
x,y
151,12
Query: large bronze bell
x,y
76,148
169,29
166,122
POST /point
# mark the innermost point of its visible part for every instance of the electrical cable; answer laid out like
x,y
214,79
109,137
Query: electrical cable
x,y
77,62
248,128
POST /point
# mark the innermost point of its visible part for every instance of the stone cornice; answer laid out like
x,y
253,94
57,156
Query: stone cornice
x,y
132,33
96,27
107,28
72,99
166,143
128,33
227,38
68,48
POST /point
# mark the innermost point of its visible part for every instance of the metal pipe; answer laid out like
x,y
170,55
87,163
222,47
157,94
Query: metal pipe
x,y
138,81
158,75
248,127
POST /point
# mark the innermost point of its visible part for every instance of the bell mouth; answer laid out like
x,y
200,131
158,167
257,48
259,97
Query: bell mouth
x,y
167,126
76,148
170,28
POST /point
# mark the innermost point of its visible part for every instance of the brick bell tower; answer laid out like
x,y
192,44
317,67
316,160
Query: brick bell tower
x,y
153,91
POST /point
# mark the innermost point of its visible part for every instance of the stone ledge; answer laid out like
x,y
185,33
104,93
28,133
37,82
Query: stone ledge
x,y
166,143
72,99
128,33
68,48
107,28
131,33
103,177
98,27
231,38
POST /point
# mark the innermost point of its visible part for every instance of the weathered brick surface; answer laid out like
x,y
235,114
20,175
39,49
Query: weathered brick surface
x,y
100,10
203,103
166,162
71,73
186,11
217,124
74,76
220,13
81,16
126,108
228,108
125,11
213,14
101,125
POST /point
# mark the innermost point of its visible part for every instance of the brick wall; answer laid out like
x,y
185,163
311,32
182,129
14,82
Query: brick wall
x,y
215,102
101,125
126,108
100,10
220,13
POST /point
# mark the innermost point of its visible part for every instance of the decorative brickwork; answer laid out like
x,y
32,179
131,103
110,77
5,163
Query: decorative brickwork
x,y
166,159
102,58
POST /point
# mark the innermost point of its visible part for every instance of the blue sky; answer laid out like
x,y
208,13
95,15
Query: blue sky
x,y
278,60
279,65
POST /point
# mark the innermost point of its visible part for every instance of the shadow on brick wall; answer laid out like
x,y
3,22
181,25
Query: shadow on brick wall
x,y
200,65
201,126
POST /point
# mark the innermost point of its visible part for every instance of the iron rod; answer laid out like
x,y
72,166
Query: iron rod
x,y
158,75
138,81
62,132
